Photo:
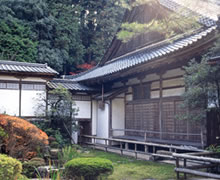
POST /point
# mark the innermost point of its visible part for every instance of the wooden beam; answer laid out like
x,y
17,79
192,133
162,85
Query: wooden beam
x,y
206,159
197,173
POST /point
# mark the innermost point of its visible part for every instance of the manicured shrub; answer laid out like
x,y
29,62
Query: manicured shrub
x,y
24,139
10,168
22,177
29,167
89,168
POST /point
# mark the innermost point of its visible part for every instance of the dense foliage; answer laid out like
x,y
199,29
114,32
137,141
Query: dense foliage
x,y
89,168
167,24
23,139
10,168
60,115
202,82
60,33
29,167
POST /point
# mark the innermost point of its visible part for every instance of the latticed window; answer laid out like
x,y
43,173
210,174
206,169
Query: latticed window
x,y
9,86
141,91
37,87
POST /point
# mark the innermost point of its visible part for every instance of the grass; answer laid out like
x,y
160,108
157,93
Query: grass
x,y
126,168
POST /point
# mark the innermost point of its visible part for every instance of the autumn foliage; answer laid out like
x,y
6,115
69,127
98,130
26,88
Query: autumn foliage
x,y
23,139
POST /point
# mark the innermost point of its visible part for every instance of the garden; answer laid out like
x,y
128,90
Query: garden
x,y
27,152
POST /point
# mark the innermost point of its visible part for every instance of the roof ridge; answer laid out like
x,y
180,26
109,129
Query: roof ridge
x,y
174,6
80,74
160,43
7,62
63,80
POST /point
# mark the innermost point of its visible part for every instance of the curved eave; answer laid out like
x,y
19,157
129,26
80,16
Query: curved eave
x,y
144,56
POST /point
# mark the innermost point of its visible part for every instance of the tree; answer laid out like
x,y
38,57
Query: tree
x,y
60,113
202,82
167,24
23,139
100,21
16,42
64,33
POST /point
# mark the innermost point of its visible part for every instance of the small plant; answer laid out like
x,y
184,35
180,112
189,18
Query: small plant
x,y
68,153
88,168
213,148
10,168
29,167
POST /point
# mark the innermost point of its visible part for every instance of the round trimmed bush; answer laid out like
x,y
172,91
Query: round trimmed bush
x,y
10,168
89,168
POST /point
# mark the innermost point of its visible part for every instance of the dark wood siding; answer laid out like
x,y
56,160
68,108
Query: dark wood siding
x,y
144,115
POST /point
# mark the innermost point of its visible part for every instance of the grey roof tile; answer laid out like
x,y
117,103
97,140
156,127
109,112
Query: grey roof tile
x,y
203,18
68,84
141,56
14,66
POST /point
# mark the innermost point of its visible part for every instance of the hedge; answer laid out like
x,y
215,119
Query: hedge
x,y
10,168
89,168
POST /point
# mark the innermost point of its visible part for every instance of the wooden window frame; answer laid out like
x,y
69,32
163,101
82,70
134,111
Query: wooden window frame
x,y
8,85
141,91
33,88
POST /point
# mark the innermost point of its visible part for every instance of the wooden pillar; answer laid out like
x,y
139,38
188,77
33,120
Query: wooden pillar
x,y
177,166
126,146
110,120
121,148
145,137
161,106
145,148
154,149
106,145
20,94
184,164
135,149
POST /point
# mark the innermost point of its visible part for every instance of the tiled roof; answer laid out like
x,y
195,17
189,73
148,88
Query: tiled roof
x,y
142,56
203,16
68,84
18,67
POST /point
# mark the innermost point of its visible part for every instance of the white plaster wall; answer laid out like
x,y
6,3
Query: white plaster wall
x,y
130,90
30,102
133,81
2,77
154,94
84,108
151,77
9,102
94,117
118,116
173,72
34,79
103,123
155,85
173,82
129,97
173,92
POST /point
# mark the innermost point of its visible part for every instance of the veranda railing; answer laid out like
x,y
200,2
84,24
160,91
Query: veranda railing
x,y
161,135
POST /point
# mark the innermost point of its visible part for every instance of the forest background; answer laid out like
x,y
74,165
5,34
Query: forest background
x,y
62,33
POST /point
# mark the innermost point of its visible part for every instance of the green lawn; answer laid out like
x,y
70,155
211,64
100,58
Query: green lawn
x,y
126,168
